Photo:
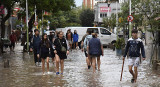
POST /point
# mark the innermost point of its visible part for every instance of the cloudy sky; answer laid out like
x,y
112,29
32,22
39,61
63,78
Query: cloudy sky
x,y
78,2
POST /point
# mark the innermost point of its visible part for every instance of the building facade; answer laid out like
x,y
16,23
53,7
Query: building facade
x,y
102,11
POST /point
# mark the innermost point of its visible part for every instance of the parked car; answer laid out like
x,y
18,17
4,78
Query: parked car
x,y
104,34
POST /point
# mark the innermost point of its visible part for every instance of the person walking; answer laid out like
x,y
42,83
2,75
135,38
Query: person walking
x,y
44,52
34,46
95,50
61,51
134,45
75,39
69,37
13,39
85,44
51,39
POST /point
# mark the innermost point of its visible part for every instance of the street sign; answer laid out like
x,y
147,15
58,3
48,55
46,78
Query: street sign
x,y
35,23
130,18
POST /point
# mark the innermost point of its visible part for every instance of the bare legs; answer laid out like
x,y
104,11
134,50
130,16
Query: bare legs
x,y
134,74
43,65
61,63
98,62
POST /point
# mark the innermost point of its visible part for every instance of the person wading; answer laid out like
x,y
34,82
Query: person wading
x,y
34,46
44,51
95,50
61,51
69,37
85,44
134,45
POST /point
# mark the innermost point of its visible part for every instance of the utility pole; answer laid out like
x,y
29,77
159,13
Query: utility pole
x,y
27,25
130,25
116,15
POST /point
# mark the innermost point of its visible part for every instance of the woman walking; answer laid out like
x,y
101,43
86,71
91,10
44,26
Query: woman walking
x,y
43,50
95,50
75,39
61,51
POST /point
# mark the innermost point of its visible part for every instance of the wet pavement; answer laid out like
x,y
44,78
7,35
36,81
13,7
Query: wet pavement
x,y
23,73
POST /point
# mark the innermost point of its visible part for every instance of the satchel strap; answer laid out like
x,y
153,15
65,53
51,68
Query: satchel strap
x,y
60,42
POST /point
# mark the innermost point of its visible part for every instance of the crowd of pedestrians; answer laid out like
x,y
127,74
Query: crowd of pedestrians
x,y
57,46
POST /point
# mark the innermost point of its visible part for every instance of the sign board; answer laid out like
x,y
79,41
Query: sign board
x,y
130,18
105,9
35,23
1,10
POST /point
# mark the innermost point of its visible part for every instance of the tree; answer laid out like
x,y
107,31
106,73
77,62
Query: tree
x,y
52,6
65,18
110,22
87,18
9,5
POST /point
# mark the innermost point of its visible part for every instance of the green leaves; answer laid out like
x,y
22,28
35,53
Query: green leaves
x,y
87,18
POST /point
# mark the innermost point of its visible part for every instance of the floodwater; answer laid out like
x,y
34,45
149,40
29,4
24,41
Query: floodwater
x,y
23,73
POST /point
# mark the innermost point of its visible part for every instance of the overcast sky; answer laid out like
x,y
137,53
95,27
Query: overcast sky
x,y
78,2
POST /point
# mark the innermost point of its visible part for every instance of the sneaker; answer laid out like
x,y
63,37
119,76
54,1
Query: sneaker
x,y
57,73
47,72
44,74
132,80
89,67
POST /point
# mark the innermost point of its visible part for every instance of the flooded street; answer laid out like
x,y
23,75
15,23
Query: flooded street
x,y
23,72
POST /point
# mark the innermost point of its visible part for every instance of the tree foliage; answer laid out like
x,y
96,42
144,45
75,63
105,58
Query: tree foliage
x,y
87,17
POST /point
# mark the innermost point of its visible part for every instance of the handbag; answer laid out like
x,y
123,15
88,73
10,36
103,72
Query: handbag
x,y
63,49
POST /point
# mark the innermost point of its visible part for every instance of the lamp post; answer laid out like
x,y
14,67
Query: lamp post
x,y
130,25
27,24
108,3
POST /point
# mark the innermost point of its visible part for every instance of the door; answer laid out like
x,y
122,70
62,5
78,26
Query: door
x,y
105,36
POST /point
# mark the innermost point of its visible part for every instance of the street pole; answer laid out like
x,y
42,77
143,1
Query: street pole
x,y
35,16
116,16
130,25
27,25
21,28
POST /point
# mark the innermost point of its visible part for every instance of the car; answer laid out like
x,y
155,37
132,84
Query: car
x,y
104,34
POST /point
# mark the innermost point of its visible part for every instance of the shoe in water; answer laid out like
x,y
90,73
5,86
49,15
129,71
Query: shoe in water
x,y
89,67
132,80
57,73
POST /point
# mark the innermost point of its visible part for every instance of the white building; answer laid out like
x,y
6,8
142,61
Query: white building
x,y
102,11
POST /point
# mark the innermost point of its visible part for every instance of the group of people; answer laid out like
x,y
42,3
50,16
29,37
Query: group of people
x,y
57,47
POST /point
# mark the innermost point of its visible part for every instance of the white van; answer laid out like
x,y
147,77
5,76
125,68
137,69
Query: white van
x,y
104,34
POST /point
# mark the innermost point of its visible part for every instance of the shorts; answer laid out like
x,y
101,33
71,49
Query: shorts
x,y
69,42
62,55
134,61
44,55
52,55
12,44
94,55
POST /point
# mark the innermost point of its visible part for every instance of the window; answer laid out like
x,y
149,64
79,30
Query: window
x,y
93,30
101,15
105,32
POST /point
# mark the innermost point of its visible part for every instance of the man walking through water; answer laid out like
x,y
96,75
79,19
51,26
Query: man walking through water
x,y
34,46
134,45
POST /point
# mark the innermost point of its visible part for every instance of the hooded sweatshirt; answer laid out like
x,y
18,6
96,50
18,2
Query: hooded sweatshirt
x,y
86,41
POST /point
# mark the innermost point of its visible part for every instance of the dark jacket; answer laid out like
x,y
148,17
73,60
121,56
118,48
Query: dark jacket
x,y
134,46
58,42
42,48
35,42
95,47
